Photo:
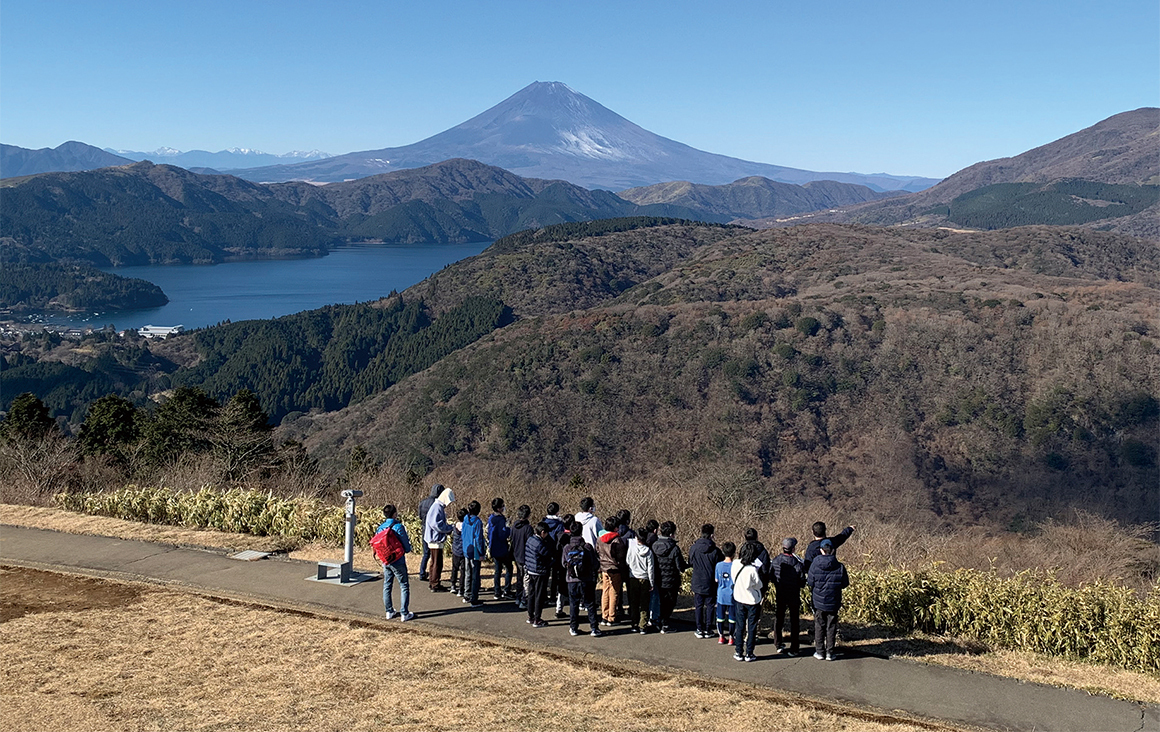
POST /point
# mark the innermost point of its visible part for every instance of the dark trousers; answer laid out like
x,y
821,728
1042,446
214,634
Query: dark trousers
x,y
435,568
458,573
794,606
668,602
472,581
583,593
502,565
639,594
825,630
703,608
536,594
519,581
423,562
747,617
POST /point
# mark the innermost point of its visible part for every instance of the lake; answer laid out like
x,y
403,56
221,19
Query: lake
x,y
201,295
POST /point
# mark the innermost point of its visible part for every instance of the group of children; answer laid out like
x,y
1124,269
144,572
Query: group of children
x,y
565,559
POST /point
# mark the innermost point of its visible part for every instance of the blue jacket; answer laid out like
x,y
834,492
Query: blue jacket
x,y
538,555
827,579
398,528
497,536
724,576
473,537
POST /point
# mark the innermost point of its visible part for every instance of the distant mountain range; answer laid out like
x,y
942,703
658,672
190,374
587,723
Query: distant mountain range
x,y
159,214
233,159
68,157
1106,177
548,130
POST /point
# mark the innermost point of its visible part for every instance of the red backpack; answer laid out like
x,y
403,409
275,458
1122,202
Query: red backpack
x,y
387,546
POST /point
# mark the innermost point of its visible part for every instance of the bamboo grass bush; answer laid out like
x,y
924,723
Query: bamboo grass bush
x,y
1030,611
236,511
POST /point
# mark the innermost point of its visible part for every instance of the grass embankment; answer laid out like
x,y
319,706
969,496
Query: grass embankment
x,y
106,661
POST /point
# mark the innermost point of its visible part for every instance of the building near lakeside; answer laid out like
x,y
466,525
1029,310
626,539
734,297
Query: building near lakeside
x,y
160,331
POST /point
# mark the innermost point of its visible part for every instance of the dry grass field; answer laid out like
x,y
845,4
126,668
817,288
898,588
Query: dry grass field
x,y
86,654
1094,678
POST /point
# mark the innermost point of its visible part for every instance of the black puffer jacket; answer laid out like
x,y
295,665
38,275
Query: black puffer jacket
x,y
670,563
703,557
827,579
788,576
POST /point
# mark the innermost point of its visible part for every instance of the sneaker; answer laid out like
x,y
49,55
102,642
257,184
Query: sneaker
x,y
391,614
643,631
698,634
721,640
819,656
779,649
731,641
477,603
635,628
664,629
750,659
829,657
791,653
596,633
539,624
521,606
573,631
439,588
560,614
407,616
467,601
738,657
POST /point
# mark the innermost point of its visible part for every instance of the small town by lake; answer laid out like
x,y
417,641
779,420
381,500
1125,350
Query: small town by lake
x,y
202,295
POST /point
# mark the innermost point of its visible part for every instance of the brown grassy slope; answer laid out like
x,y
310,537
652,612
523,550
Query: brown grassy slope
x,y
128,657
1003,376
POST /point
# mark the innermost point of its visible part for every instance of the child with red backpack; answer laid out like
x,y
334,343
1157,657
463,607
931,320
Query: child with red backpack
x,y
391,545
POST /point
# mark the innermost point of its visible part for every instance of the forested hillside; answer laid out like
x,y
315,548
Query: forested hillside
x,y
1002,375
160,214
49,286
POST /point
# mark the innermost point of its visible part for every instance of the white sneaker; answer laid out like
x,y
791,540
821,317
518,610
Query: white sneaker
x,y
407,616
391,614
819,656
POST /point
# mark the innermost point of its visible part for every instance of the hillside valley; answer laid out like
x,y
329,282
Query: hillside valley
x,y
991,376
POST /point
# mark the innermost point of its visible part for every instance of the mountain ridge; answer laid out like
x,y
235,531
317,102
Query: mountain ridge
x,y
548,130
71,156
1122,150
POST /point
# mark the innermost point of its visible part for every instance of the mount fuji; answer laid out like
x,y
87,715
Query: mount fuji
x,y
548,130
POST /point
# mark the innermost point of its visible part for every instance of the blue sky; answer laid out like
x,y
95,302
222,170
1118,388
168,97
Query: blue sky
x,y
922,88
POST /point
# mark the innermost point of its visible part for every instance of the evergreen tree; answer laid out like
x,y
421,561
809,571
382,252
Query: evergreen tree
x,y
181,424
27,419
110,428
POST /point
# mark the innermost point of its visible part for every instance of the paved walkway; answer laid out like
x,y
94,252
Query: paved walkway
x,y
856,679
